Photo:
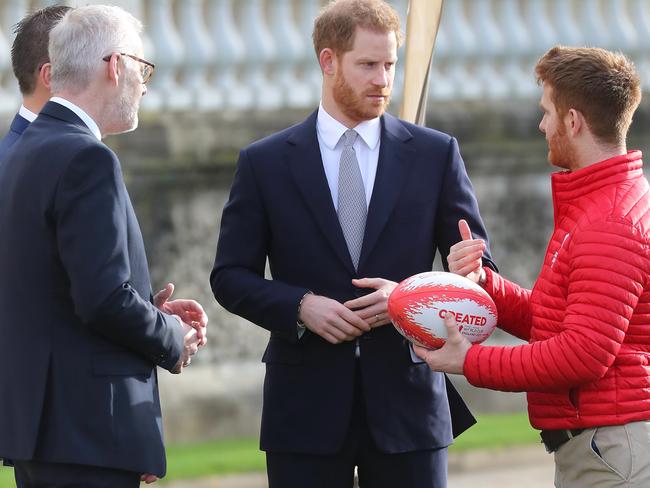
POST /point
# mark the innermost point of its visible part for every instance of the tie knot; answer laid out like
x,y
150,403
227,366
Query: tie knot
x,y
349,136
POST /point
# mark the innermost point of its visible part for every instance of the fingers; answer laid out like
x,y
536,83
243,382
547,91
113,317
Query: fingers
x,y
331,320
163,295
369,282
148,478
465,232
340,327
191,312
191,343
465,248
354,320
374,316
383,290
453,334
463,265
370,298
466,256
201,332
421,352
189,306
379,319
203,336
450,358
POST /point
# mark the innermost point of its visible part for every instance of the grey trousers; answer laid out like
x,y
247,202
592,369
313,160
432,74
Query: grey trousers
x,y
606,457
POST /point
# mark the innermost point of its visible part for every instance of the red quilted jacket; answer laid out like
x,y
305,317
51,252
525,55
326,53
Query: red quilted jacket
x,y
587,319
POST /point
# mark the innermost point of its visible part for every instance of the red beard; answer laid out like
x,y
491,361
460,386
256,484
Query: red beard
x,y
358,107
560,151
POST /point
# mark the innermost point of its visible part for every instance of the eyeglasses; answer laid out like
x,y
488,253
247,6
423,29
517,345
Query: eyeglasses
x,y
147,67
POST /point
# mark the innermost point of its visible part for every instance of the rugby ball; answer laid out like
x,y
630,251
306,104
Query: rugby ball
x,y
418,305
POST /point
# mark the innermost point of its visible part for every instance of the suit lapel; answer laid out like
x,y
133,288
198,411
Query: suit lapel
x,y
393,166
306,165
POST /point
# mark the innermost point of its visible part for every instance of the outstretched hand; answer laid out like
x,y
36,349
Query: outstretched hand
x,y
190,311
465,256
450,358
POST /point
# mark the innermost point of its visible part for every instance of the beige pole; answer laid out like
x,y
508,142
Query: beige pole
x,y
422,24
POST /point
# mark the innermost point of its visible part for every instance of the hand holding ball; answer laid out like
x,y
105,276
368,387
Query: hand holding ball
x,y
418,305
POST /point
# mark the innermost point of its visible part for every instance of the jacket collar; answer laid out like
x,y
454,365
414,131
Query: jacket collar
x,y
58,111
19,124
568,186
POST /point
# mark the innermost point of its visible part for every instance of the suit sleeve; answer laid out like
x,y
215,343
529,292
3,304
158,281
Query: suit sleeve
x,y
91,225
237,278
457,201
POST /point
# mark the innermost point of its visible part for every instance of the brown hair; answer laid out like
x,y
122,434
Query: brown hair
x,y
600,84
337,22
29,50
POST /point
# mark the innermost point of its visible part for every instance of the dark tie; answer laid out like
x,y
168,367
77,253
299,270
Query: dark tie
x,y
352,209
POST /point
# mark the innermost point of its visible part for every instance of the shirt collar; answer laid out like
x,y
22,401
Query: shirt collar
x,y
27,114
331,130
87,119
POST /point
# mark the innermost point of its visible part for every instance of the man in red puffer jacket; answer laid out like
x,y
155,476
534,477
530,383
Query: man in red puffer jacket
x,y
586,367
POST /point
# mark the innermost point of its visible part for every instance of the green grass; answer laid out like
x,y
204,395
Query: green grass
x,y
497,430
6,477
237,456
212,458
242,455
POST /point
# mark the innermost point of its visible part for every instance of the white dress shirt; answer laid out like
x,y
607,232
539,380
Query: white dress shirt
x,y
27,114
366,147
87,119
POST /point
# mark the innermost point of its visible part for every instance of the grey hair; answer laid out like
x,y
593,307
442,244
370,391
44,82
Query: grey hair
x,y
83,37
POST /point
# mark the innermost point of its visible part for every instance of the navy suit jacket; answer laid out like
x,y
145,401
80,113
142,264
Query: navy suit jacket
x,y
280,208
18,126
79,336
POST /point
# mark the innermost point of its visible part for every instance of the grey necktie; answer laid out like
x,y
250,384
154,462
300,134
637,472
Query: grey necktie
x,y
352,209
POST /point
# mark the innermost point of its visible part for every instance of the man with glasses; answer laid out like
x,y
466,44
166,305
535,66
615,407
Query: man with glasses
x,y
31,65
80,336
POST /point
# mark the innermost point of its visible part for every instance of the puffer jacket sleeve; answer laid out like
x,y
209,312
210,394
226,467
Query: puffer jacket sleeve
x,y
608,270
512,303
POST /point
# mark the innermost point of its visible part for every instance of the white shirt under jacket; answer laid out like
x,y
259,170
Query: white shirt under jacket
x,y
366,147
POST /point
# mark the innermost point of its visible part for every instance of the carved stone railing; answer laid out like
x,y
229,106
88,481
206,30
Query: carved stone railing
x,y
212,55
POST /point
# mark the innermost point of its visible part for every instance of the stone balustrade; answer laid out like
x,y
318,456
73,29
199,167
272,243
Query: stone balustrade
x,y
239,55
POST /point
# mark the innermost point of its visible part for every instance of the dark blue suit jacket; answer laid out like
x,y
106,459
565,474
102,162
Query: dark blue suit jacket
x,y
280,208
79,337
18,126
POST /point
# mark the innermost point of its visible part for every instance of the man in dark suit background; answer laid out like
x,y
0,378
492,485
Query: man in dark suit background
x,y
80,336
31,65
341,216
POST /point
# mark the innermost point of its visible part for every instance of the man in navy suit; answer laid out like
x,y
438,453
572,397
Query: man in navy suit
x,y
80,336
31,66
343,205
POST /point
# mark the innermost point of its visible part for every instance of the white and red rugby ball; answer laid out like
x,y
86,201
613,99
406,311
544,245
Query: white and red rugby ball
x,y
418,305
